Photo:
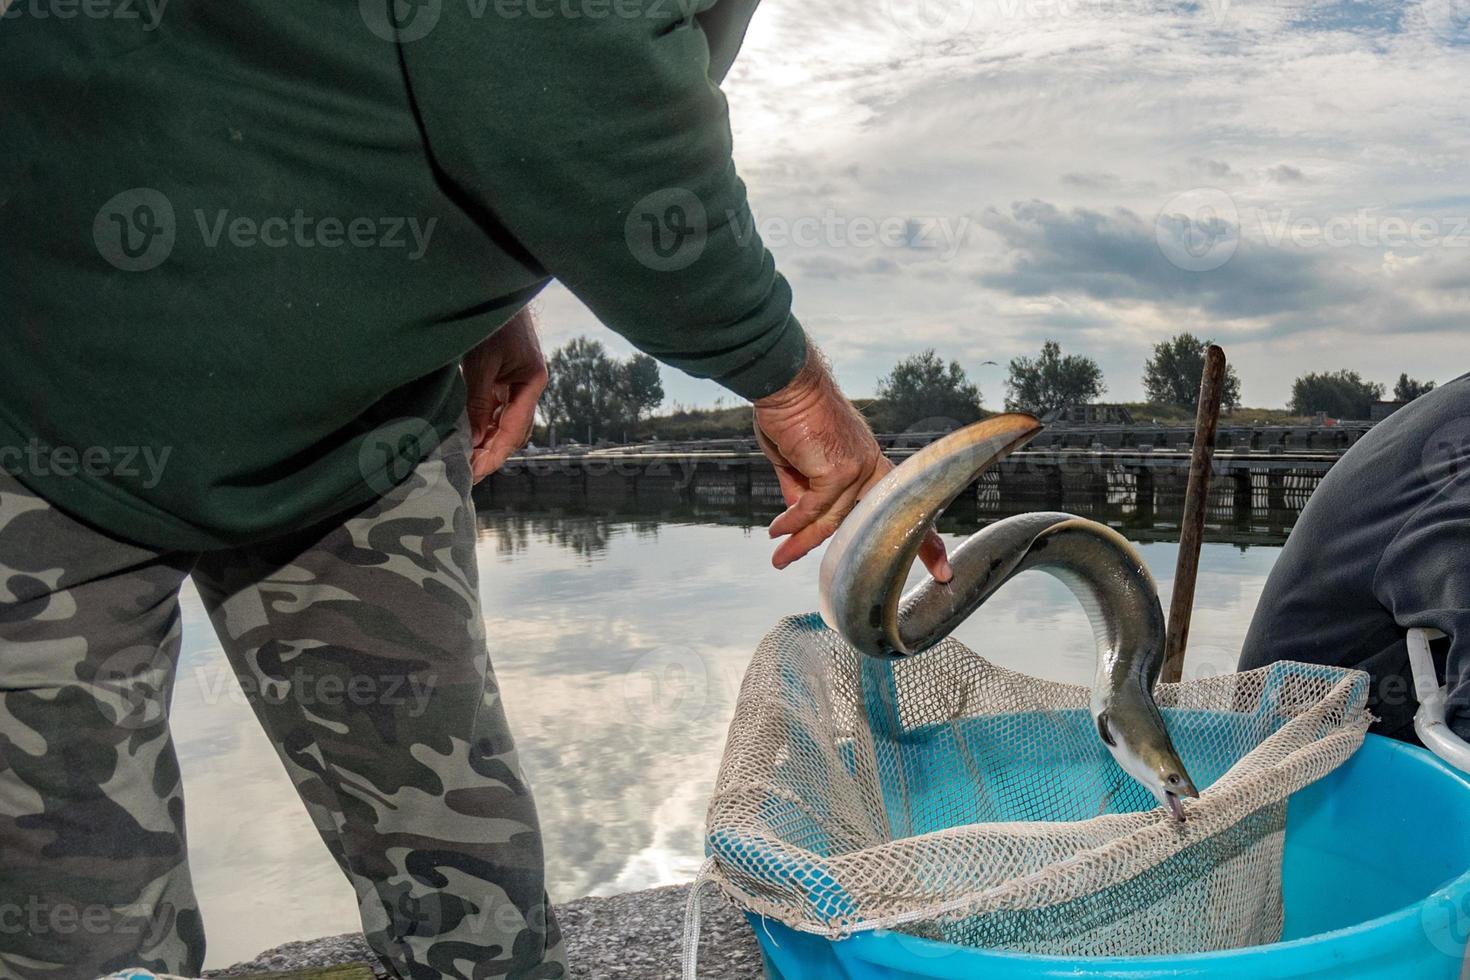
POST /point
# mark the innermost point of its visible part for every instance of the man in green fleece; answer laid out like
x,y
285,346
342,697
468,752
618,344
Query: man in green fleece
x,y
263,276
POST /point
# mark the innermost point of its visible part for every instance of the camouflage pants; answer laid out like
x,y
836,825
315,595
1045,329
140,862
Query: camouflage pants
x,y
413,783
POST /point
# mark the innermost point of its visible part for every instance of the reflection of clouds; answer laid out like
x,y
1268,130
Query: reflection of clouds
x,y
619,677
621,800
260,871
586,536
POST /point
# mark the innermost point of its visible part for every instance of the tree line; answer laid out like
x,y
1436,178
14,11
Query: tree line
x,y
593,396
923,385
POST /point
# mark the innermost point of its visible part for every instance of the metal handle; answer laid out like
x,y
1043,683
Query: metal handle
x,y
1429,721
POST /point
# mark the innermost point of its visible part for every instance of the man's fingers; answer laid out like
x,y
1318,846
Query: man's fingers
x,y
512,430
481,410
792,484
808,505
935,558
804,539
480,464
803,542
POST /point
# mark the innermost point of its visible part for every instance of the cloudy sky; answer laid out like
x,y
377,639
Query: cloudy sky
x,y
977,176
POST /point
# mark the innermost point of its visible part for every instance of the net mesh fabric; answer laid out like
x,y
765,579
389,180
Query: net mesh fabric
x,y
950,798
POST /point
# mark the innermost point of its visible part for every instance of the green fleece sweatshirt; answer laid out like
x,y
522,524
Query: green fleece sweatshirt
x,y
245,243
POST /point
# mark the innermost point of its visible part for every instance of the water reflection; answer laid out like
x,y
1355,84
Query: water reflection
x,y
619,640
586,535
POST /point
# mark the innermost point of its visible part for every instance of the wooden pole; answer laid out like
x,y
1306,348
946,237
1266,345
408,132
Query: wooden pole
x,y
1196,501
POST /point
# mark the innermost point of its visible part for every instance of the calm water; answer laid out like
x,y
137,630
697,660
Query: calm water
x,y
620,645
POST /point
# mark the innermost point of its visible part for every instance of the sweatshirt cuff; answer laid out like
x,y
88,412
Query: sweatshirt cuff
x,y
773,368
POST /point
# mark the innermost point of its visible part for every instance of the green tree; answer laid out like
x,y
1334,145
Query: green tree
x,y
642,389
1407,388
1171,376
1340,394
592,395
923,386
586,393
1050,380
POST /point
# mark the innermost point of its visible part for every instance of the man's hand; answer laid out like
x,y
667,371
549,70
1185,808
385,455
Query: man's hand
x,y
826,460
504,377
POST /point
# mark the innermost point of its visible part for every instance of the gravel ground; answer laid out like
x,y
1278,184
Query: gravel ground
x,y
638,936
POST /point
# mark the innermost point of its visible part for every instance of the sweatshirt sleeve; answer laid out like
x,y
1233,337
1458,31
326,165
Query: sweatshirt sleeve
x,y
592,132
1423,579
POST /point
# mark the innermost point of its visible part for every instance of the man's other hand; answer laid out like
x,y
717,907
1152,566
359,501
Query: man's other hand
x,y
826,459
504,377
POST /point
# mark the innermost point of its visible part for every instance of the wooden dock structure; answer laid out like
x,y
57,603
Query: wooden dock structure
x,y
1256,494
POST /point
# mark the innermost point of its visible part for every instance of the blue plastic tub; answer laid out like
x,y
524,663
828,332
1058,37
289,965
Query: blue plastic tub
x,y
1376,884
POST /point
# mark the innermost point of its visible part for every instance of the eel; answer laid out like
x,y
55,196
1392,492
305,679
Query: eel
x,y
868,560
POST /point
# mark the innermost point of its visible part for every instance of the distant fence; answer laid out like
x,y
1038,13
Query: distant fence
x,y
1256,496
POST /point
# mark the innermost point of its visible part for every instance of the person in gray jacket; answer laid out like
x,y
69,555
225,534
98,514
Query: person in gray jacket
x,y
1383,546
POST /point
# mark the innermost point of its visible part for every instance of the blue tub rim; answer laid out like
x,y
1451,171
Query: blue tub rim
x,y
1356,935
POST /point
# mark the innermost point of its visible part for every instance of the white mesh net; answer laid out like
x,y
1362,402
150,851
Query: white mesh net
x,y
950,798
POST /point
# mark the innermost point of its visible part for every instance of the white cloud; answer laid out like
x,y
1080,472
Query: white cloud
x,y
1062,127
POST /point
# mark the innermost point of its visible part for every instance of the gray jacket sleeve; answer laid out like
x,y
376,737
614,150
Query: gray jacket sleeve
x,y
1423,578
